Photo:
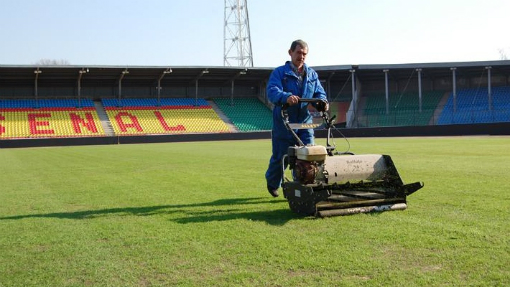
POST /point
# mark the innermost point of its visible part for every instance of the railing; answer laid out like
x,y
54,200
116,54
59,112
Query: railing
x,y
437,116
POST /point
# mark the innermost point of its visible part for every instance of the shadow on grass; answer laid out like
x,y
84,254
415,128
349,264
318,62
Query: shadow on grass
x,y
219,210
273,217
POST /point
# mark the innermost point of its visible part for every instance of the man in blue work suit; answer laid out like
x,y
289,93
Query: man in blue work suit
x,y
287,84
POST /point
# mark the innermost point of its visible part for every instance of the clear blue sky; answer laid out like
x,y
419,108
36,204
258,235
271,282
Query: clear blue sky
x,y
190,32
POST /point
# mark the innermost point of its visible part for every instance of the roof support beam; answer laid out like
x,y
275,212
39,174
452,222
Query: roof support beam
x,y
419,89
354,94
205,71
80,74
489,90
120,85
165,72
232,80
386,89
36,93
454,82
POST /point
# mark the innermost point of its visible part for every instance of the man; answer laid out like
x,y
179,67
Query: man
x,y
287,84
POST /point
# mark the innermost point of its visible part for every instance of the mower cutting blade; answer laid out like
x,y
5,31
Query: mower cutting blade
x,y
362,209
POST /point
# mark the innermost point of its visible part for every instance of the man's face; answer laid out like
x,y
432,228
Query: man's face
x,y
298,56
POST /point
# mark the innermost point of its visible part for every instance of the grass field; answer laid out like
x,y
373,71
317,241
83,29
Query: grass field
x,y
198,214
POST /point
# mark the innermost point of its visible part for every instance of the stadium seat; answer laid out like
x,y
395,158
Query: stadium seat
x,y
404,109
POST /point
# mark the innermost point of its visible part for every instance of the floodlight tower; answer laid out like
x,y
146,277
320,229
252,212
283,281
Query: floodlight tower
x,y
236,35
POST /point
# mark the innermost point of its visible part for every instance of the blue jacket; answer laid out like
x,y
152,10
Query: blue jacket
x,y
283,83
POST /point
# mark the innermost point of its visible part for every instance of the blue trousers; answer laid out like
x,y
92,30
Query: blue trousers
x,y
280,148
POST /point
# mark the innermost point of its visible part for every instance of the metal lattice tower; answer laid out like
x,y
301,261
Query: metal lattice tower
x,y
236,35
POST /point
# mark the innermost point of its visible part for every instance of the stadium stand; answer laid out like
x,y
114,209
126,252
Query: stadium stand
x,y
48,118
42,103
473,107
403,109
145,116
246,114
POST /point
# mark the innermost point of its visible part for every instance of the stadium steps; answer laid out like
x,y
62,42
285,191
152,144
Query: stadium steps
x,y
222,116
439,108
103,117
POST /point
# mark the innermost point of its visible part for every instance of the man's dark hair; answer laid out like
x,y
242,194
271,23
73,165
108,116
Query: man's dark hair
x,y
296,43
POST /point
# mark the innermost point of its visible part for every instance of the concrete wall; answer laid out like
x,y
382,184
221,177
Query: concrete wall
x,y
445,130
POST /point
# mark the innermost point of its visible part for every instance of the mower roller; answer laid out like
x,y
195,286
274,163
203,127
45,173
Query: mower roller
x,y
328,183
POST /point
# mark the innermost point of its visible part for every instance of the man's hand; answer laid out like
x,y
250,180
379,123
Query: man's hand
x,y
322,106
292,100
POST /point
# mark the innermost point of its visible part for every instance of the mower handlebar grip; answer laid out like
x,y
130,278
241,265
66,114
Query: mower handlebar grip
x,y
310,100
320,101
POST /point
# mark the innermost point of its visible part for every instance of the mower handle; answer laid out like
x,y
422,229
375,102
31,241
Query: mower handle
x,y
313,100
327,121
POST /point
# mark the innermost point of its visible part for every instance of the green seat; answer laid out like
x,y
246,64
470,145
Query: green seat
x,y
404,109
246,114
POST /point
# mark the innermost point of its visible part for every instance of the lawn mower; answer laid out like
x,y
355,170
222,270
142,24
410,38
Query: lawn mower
x,y
329,183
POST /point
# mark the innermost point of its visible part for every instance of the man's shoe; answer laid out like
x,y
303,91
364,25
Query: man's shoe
x,y
272,191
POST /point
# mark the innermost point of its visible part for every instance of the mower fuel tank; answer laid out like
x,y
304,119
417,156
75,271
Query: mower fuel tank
x,y
311,153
